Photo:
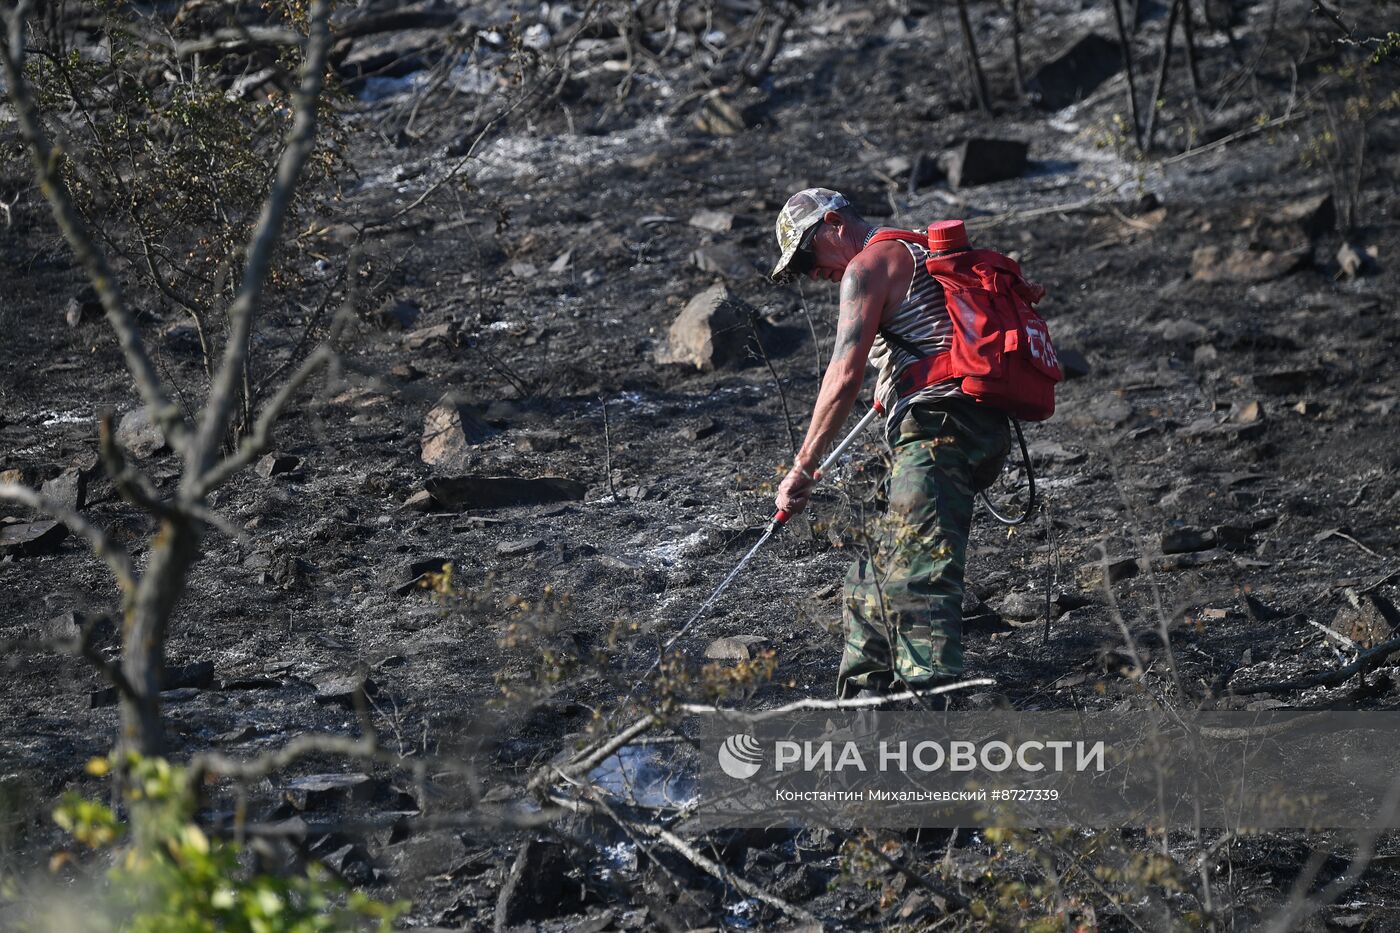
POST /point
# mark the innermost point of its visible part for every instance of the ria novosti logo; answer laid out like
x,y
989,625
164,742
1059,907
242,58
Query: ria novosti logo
x,y
741,756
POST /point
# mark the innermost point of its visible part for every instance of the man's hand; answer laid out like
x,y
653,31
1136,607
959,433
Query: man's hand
x,y
795,490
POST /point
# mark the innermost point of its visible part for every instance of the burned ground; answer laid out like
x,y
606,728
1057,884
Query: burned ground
x,y
1227,452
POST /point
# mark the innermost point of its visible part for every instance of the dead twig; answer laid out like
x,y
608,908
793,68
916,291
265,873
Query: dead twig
x,y
810,704
607,450
778,382
1365,662
691,854
587,760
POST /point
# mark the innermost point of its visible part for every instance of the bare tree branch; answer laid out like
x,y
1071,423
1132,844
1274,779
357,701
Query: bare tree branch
x,y
301,139
46,160
116,557
260,437
587,761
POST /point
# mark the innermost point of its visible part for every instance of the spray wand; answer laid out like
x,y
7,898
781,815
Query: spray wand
x,y
778,521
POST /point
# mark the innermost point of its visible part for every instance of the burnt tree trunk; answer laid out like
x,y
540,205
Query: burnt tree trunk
x,y
1016,49
173,552
974,64
1127,46
1159,88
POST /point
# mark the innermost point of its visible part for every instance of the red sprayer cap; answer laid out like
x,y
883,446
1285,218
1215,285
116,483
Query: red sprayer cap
x,y
947,234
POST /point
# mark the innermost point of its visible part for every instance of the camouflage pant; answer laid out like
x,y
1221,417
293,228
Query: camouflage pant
x,y
908,592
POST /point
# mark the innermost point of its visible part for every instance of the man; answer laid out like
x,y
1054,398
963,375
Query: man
x,y
903,602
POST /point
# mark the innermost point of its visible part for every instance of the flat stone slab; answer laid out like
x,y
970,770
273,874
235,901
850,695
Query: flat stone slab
x,y
495,492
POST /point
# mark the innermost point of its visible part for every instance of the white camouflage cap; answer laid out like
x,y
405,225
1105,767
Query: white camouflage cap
x,y
803,210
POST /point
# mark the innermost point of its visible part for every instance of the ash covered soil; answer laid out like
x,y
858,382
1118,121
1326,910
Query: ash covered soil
x,y
1226,453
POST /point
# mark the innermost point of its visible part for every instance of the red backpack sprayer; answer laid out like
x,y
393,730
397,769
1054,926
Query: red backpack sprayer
x,y
1001,353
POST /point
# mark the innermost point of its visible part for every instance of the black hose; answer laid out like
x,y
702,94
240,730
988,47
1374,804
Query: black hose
x,y
1030,479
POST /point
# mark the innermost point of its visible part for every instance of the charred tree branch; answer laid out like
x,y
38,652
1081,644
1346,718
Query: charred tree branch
x,y
46,160
118,561
301,139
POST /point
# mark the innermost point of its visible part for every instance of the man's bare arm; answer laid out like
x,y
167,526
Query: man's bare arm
x,y
864,293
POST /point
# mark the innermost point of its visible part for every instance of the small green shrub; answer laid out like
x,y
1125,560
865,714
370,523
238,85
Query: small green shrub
x,y
168,876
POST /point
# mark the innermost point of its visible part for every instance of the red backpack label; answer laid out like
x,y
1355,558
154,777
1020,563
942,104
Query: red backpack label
x,y
1001,347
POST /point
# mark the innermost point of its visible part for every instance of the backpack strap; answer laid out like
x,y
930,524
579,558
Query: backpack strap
x,y
909,236
927,370
890,233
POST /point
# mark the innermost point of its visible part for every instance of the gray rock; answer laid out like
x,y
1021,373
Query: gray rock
x,y
719,116
1074,364
1074,73
736,647
979,161
543,441
1187,540
700,430
1315,214
710,331
403,578
352,863
139,435
420,501
1050,452
1023,606
519,547
459,493
450,430
538,886
1110,410
561,262
1247,412
1213,264
276,464
326,791
83,308
724,260
398,314
1180,330
713,221
68,488
444,334
31,539
68,627
1232,431
341,689
1350,261
1288,381
1371,620
1122,568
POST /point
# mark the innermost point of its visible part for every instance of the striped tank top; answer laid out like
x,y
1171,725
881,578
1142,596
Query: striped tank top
x,y
921,322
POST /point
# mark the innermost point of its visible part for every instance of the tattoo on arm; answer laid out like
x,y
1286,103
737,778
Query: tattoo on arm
x,y
854,292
